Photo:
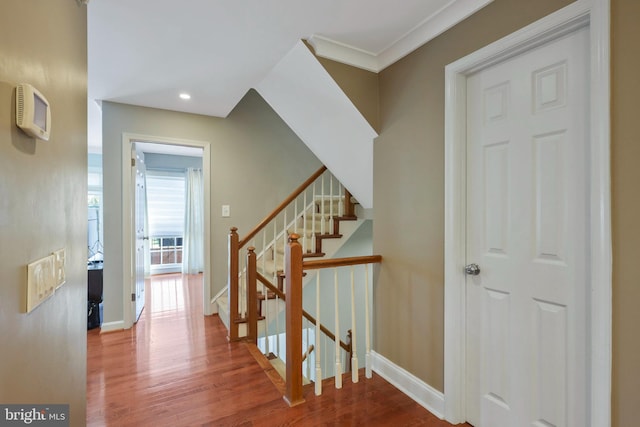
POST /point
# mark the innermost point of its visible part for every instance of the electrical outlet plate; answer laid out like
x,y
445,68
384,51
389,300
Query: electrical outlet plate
x,y
59,270
41,282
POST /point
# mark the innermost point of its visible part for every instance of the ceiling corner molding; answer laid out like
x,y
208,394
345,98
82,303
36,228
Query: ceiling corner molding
x,y
340,52
436,24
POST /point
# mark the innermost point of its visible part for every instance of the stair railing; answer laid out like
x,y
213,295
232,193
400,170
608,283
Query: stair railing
x,y
258,281
310,207
295,267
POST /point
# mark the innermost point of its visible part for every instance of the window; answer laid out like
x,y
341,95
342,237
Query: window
x,y
94,197
165,204
166,250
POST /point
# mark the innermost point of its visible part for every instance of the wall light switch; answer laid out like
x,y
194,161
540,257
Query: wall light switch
x,y
41,281
59,270
226,211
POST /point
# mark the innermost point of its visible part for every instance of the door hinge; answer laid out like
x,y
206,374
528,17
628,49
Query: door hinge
x,y
133,297
133,162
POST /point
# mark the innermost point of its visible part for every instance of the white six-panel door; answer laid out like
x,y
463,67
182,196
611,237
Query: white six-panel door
x,y
527,229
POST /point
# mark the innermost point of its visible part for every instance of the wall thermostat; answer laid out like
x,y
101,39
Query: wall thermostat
x,y
33,114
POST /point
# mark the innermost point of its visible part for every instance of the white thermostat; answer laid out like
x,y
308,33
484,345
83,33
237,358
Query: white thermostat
x,y
33,114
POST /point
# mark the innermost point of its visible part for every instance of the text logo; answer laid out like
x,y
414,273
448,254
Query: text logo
x,y
34,415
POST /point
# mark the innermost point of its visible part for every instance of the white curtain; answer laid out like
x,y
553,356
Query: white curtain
x,y
192,250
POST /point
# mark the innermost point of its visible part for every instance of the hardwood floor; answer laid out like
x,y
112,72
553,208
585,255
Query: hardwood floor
x,y
176,368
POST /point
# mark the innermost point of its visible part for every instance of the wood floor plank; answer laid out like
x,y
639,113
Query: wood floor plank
x,y
176,368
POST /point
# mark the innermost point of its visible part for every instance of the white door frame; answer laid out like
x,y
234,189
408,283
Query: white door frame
x,y
594,13
128,237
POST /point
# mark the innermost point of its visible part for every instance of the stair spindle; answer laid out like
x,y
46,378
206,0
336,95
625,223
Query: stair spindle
x,y
313,217
304,223
367,324
318,384
354,351
308,347
322,210
331,226
338,371
295,216
285,238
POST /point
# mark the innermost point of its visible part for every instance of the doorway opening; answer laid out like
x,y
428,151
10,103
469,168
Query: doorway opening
x,y
169,227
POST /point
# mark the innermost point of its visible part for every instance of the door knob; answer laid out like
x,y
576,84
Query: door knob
x,y
472,269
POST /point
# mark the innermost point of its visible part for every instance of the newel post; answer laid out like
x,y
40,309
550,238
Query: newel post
x,y
293,283
252,297
349,207
234,248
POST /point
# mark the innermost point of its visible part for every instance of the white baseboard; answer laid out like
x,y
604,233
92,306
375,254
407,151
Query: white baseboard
x,y
425,395
112,326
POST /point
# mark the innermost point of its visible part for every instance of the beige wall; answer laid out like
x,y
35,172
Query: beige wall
x,y
256,161
361,86
43,204
625,16
409,188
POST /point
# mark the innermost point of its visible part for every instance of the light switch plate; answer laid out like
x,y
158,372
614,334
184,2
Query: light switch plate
x,y
41,282
59,264
226,211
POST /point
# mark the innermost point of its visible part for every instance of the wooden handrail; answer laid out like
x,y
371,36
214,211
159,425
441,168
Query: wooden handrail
x,y
282,205
308,352
305,313
341,262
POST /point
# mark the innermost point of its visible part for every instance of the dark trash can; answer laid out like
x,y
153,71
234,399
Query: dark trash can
x,y
94,318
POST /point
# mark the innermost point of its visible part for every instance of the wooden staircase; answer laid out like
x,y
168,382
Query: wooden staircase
x,y
267,277
326,222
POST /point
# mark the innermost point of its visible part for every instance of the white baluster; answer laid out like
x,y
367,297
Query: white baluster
x,y
295,216
264,249
318,332
243,293
331,228
304,223
340,199
322,213
324,353
285,238
308,353
275,253
338,373
313,218
265,291
277,326
367,324
354,350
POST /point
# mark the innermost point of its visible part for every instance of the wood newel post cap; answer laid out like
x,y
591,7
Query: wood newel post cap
x,y
293,238
251,249
233,230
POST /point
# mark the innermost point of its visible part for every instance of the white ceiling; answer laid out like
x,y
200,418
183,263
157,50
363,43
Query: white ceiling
x,y
145,52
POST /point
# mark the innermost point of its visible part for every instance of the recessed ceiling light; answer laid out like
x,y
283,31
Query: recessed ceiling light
x,y
184,95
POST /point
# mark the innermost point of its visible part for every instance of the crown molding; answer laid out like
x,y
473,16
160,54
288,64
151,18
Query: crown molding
x,y
434,25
